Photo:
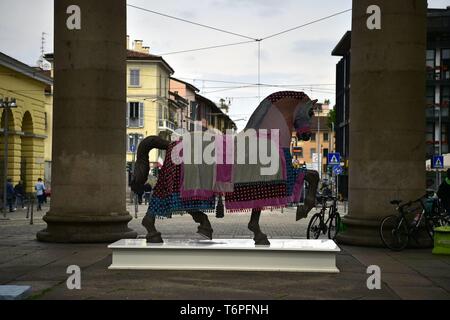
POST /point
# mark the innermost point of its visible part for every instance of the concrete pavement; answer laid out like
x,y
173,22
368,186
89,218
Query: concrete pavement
x,y
411,274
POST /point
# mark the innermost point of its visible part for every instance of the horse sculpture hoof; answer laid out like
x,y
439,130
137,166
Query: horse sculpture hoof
x,y
262,242
205,232
154,238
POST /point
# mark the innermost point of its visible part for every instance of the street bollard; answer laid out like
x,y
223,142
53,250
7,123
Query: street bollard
x,y
28,207
136,206
32,213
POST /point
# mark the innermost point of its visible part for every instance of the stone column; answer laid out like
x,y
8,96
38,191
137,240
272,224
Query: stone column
x,y
387,116
88,157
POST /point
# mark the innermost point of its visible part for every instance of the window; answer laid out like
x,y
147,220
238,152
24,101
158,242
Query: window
x,y
430,96
134,140
325,153
135,78
135,115
445,96
325,136
313,137
160,112
193,110
430,132
445,64
444,133
430,63
312,152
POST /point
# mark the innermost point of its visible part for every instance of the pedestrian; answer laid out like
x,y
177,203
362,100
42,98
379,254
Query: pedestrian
x,y
10,194
40,193
20,194
444,192
147,192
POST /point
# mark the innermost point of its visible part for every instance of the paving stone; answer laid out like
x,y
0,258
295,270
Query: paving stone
x,y
421,293
12,292
408,274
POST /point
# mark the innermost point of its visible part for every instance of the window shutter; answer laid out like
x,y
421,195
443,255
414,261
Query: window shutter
x,y
128,114
141,114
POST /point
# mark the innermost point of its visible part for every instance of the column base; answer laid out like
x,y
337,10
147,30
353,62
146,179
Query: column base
x,y
83,229
366,233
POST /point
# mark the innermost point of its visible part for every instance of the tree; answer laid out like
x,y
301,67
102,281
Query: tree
x,y
332,118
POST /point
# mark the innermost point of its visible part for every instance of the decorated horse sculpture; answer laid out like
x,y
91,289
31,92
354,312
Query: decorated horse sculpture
x,y
183,187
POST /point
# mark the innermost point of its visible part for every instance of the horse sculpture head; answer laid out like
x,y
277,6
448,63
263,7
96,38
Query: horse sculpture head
x,y
296,108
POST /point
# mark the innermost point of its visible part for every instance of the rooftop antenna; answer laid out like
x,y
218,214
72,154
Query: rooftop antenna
x,y
41,62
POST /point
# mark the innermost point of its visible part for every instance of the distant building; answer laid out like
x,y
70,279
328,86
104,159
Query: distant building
x,y
28,124
437,90
209,115
321,142
184,93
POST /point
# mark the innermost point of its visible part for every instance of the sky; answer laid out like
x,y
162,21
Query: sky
x,y
300,59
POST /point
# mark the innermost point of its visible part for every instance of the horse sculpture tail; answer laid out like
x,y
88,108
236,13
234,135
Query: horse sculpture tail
x,y
142,166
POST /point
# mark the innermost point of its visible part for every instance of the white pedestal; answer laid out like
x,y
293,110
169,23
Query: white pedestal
x,y
226,254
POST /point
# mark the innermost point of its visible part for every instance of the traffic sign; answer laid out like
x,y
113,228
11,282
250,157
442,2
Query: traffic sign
x,y
337,170
133,148
334,159
438,162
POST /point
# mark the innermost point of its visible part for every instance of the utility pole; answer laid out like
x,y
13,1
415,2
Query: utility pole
x,y
319,153
6,105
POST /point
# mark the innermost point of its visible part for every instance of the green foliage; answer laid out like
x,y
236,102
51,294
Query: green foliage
x,y
332,119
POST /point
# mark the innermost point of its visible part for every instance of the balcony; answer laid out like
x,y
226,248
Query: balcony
x,y
166,125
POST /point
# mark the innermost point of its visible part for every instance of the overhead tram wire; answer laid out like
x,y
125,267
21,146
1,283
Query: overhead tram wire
x,y
192,22
207,48
305,25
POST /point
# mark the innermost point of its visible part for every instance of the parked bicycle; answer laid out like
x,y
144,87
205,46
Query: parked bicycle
x,y
325,222
397,231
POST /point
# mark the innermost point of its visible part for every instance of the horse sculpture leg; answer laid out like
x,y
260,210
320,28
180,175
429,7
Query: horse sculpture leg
x,y
153,236
260,238
140,176
204,229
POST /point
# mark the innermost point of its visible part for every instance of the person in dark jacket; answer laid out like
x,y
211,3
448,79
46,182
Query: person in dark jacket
x,y
10,195
20,194
444,192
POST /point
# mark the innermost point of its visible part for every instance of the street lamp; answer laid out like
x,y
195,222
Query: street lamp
x,y
6,104
319,152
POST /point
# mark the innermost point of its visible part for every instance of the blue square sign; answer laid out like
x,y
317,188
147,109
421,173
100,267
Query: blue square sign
x,y
334,159
337,170
438,162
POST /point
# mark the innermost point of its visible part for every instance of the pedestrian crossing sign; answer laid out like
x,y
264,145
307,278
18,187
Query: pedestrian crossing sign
x,y
438,162
334,159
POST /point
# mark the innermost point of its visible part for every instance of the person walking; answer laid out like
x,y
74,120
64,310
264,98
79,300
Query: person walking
x,y
20,194
40,193
10,194
444,192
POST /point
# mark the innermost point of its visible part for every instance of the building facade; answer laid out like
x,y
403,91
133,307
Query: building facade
x,y
148,109
28,123
436,102
185,93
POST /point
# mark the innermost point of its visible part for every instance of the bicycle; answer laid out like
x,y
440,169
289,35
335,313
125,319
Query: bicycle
x,y
319,225
396,231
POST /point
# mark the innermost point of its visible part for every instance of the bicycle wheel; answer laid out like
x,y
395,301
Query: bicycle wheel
x,y
314,227
394,233
432,223
333,227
